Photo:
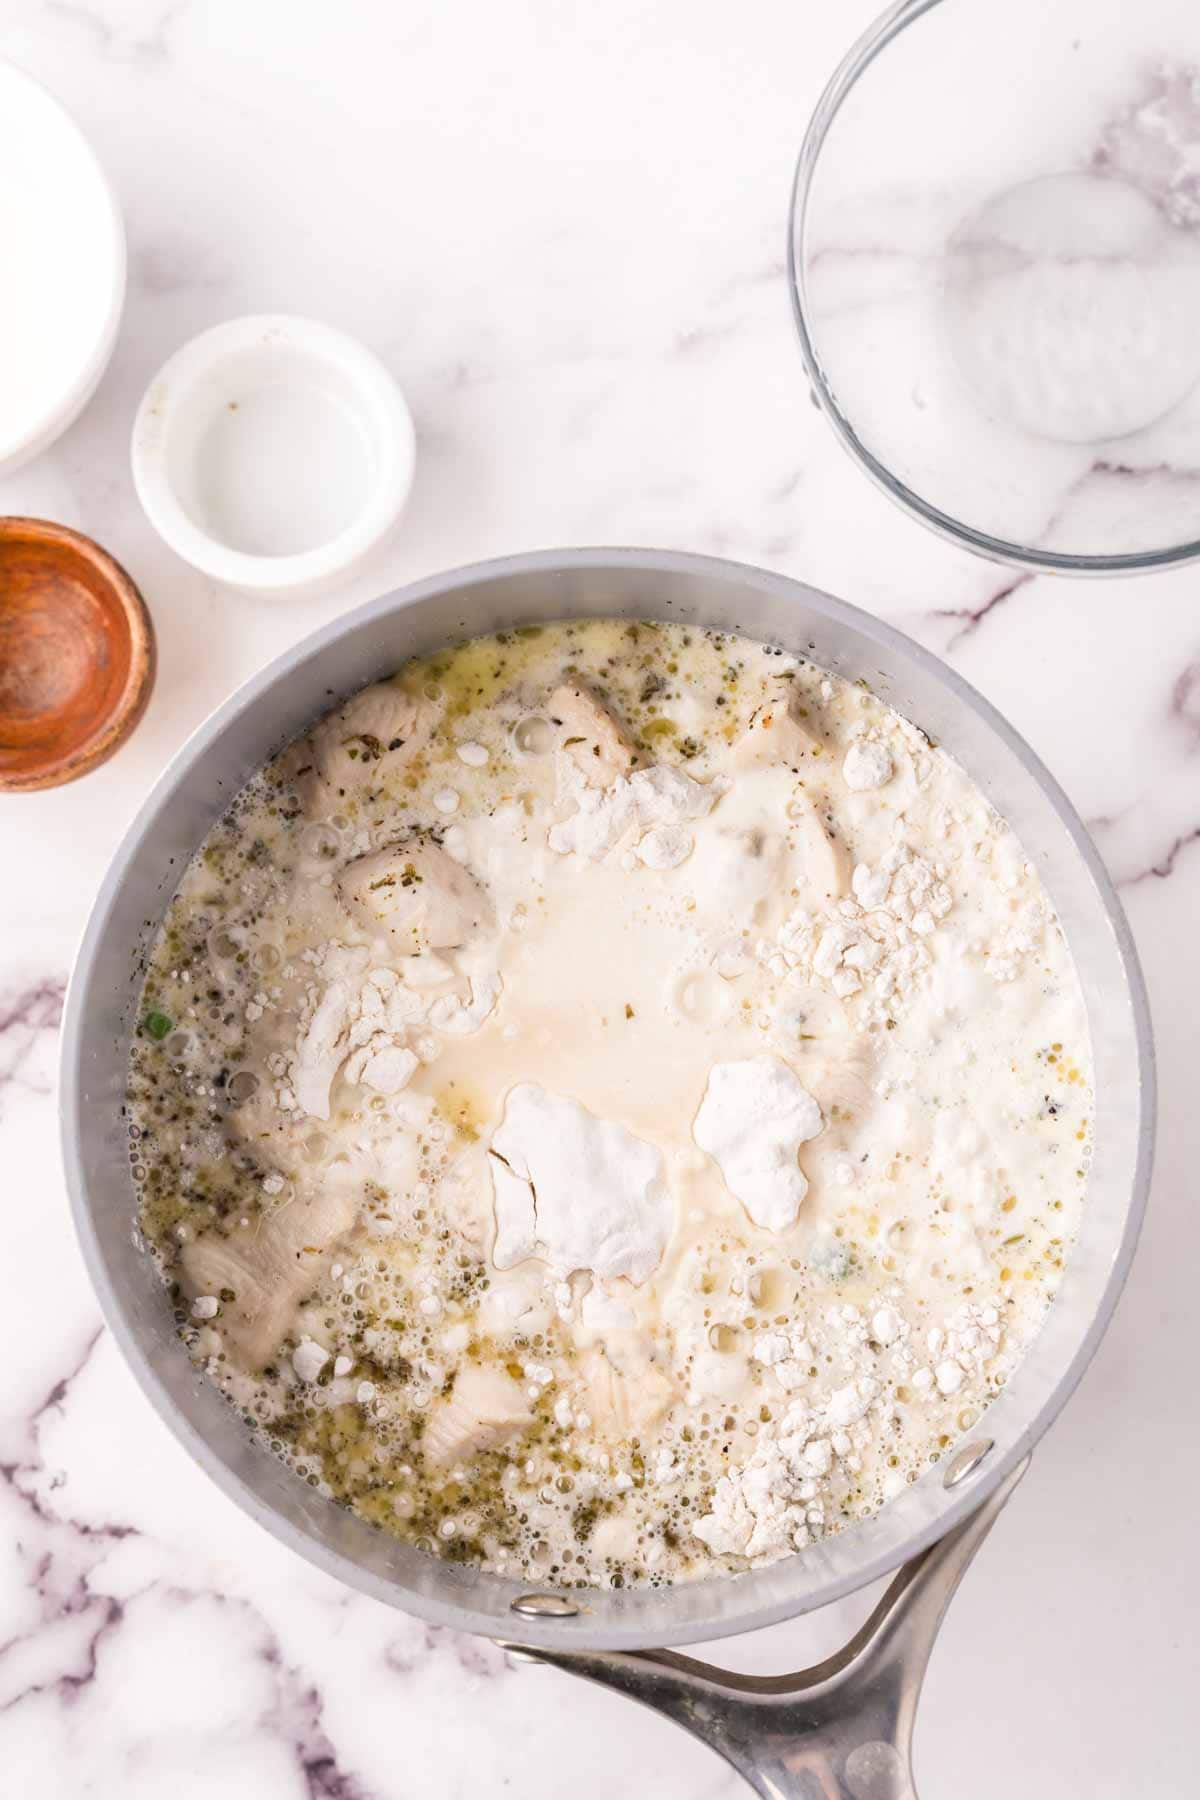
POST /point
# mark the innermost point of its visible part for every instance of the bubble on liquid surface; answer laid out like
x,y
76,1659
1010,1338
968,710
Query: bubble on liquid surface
x,y
701,997
243,1086
533,736
320,843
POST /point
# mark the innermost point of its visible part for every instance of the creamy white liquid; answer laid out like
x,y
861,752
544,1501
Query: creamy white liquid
x,y
778,1093
282,468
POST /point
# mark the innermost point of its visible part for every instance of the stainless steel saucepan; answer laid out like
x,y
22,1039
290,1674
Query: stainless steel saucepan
x,y
842,1729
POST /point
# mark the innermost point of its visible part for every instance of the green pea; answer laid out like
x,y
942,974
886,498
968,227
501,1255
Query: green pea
x,y
157,1025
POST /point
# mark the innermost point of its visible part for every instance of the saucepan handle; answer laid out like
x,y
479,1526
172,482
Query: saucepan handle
x,y
839,1731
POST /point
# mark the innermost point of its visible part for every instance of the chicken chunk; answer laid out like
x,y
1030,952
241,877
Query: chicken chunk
x,y
485,1409
378,731
617,1537
276,1138
824,860
416,895
321,1050
590,735
776,734
270,1268
627,1392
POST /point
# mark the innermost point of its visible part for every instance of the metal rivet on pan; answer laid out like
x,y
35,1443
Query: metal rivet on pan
x,y
544,1606
966,1461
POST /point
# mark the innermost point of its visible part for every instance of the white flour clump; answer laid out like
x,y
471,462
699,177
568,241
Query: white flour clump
x,y
1005,957
451,1013
665,796
752,1121
665,847
867,765
646,808
368,1023
361,1020
383,1067
308,1359
320,1048
601,817
577,1191
875,944
788,1490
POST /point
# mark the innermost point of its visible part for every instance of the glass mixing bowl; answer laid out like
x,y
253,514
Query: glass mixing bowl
x,y
994,254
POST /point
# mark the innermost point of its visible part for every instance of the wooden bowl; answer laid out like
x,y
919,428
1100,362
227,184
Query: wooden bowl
x,y
76,655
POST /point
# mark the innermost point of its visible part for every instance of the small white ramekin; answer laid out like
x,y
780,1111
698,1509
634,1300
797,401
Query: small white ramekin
x,y
189,417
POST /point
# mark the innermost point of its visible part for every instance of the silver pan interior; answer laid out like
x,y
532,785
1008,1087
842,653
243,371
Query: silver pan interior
x,y
274,706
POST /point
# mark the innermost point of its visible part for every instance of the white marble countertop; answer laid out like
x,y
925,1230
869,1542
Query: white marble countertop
x,y
562,226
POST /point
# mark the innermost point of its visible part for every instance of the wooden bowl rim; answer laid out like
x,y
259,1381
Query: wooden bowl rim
x,y
131,702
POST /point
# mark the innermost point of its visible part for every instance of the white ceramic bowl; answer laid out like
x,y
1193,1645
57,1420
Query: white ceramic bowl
x,y
273,452
62,244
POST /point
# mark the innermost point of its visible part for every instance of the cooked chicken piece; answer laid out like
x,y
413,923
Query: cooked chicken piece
x,y
626,1391
485,1409
521,1302
321,1050
590,735
826,864
466,1200
276,1137
270,1268
776,734
617,1537
377,731
416,894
